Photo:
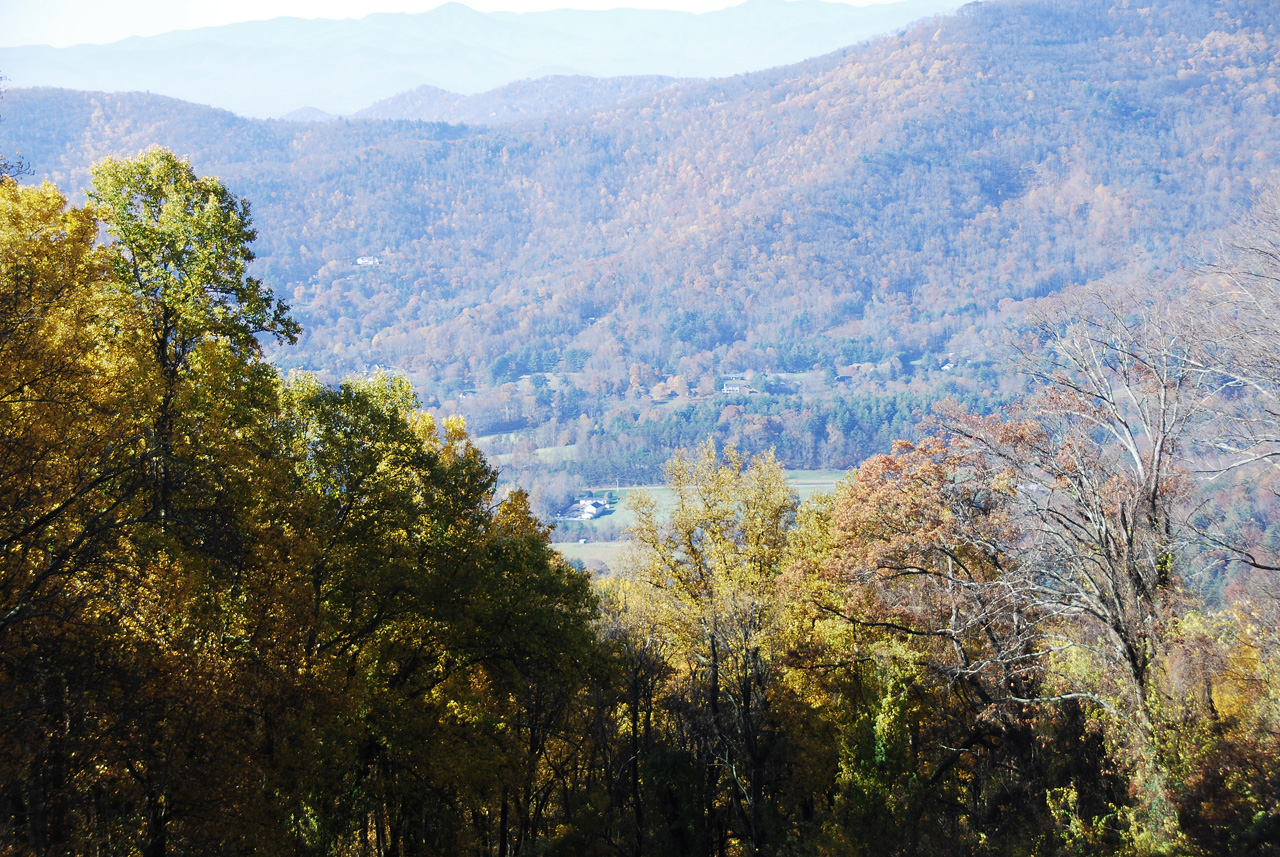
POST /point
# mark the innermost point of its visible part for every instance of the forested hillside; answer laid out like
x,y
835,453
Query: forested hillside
x,y
872,219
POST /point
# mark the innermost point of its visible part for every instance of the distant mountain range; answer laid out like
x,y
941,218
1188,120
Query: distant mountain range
x,y
557,95
868,222
272,68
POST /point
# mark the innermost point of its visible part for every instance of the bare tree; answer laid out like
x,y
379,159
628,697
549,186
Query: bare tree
x,y
1242,307
1032,556
1234,319
1098,455
1242,304
1097,469
11,167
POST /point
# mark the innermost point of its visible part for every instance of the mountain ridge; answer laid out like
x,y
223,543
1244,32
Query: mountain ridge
x,y
270,68
557,95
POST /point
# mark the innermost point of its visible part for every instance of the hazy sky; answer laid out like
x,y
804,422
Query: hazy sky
x,y
69,22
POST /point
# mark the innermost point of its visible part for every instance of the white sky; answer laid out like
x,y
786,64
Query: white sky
x,y
68,22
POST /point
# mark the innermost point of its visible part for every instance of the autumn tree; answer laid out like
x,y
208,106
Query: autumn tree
x,y
180,252
1220,715
629,727
1096,467
935,631
11,167
712,563
66,479
450,636
55,385
1242,304
922,542
243,615
1099,458
121,645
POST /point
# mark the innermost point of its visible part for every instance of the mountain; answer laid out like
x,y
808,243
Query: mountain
x,y
309,114
850,236
557,95
270,68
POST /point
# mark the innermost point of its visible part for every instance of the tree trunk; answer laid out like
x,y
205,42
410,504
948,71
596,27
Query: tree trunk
x,y
157,836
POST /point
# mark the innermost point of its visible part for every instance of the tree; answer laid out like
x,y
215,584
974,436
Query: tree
x,y
179,623
1096,462
1236,314
632,631
1029,560
1242,309
923,543
11,168
126,651
238,615
936,631
66,478
1099,458
180,256
60,445
713,563
450,636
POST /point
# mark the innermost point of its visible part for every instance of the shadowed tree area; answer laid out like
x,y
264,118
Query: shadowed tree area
x,y
239,614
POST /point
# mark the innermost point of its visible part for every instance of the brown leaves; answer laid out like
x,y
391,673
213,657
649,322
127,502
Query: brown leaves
x,y
924,509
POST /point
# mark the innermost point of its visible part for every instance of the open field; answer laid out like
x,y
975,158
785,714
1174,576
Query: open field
x,y
623,514
604,552
809,482
545,454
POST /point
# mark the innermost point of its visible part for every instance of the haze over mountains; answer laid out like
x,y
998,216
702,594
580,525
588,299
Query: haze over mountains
x,y
866,223
271,68
557,95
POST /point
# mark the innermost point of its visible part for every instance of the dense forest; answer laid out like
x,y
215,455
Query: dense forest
x,y
248,614
845,236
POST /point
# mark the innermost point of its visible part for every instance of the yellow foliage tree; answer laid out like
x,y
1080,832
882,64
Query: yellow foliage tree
x,y
712,563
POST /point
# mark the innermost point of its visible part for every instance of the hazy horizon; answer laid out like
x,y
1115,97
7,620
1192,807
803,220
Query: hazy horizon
x,y
64,23
275,67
